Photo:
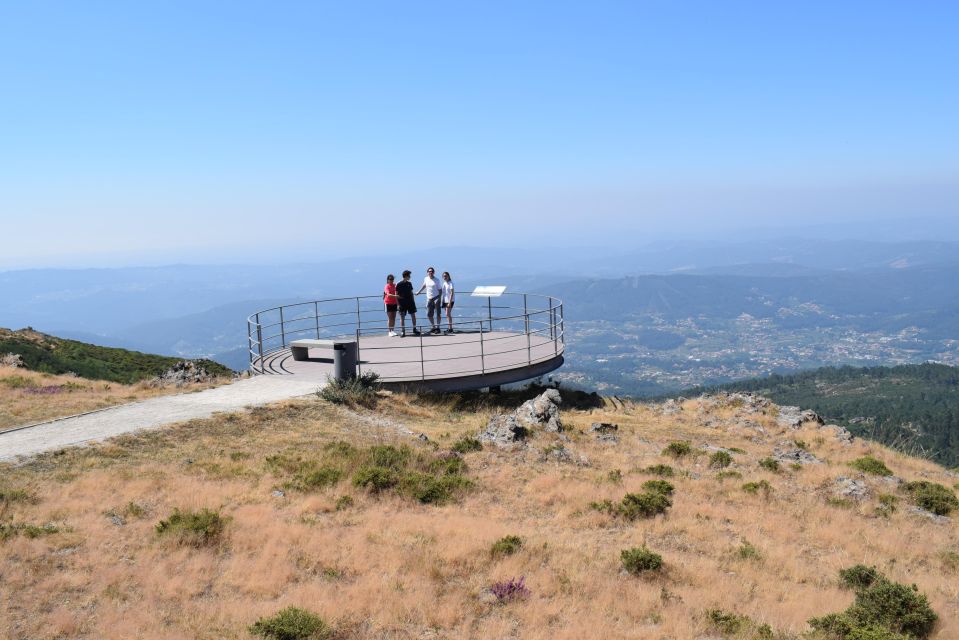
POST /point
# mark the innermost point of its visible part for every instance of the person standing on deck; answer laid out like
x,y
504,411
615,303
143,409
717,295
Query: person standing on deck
x,y
390,300
433,290
448,300
407,303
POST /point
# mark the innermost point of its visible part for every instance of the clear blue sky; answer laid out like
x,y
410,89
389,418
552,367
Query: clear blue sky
x,y
137,129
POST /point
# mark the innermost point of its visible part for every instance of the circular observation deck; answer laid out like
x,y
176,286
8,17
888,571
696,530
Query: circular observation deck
x,y
495,341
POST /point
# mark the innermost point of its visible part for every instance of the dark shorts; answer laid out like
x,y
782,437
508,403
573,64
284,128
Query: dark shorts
x,y
433,306
407,306
391,308
448,305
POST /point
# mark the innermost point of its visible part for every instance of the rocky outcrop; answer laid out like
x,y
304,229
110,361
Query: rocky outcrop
x,y
542,412
851,488
795,456
794,417
605,432
183,373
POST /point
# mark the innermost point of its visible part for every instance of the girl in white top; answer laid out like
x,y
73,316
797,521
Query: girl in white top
x,y
448,294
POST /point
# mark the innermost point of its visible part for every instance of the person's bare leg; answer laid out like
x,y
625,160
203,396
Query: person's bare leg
x,y
391,315
449,317
402,324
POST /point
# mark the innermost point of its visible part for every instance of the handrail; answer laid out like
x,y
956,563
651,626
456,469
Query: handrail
x,y
492,323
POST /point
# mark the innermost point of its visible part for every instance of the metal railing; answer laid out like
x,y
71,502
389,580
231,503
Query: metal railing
x,y
514,330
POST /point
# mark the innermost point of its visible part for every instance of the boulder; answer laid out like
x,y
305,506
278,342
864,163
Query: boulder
x,y
670,407
603,427
919,511
503,431
542,411
14,360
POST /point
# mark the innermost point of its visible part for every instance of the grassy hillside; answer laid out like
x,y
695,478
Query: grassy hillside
x,y
911,407
48,354
211,528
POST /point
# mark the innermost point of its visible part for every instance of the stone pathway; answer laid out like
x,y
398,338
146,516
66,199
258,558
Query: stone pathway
x,y
150,414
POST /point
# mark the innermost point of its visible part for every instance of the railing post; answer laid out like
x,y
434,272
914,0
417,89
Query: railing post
x,y
552,325
562,325
359,368
422,364
316,317
282,329
259,342
489,305
529,346
249,341
359,322
482,351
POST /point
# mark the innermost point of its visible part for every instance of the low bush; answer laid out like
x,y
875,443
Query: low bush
x,y
932,497
344,502
870,465
720,460
506,546
615,476
722,475
292,623
640,560
9,495
756,487
354,392
770,464
662,470
431,489
466,444
193,528
376,479
726,622
10,529
317,479
678,449
643,505
887,504
659,486
747,551
882,610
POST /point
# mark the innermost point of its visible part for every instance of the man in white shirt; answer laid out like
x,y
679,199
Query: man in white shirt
x,y
433,289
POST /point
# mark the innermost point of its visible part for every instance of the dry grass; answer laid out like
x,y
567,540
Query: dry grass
x,y
388,567
27,396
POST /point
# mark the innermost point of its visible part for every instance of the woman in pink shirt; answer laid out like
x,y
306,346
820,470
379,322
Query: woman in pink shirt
x,y
390,300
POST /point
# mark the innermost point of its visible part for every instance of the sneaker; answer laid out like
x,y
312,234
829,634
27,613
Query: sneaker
x,y
403,335
416,331
435,331
448,332
391,334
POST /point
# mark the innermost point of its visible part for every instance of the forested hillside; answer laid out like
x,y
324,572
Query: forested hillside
x,y
913,407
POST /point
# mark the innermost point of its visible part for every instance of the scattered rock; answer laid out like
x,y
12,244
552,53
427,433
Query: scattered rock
x,y
670,407
794,417
486,596
851,488
278,493
918,511
117,520
795,456
183,373
607,438
604,427
14,360
542,411
423,437
559,453
841,433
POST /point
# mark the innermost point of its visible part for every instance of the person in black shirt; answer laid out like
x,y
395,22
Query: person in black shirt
x,y
407,303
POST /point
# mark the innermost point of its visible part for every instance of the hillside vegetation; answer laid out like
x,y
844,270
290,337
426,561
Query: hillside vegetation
x,y
48,354
912,407
310,519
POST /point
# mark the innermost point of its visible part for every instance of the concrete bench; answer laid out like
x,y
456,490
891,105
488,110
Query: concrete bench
x,y
343,354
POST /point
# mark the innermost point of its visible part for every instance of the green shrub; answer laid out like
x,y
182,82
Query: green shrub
x,y
292,623
722,475
770,464
430,489
11,529
801,444
615,476
932,497
756,487
659,486
747,551
389,456
344,502
662,470
640,560
605,506
887,504
859,577
18,382
883,610
727,623
678,449
643,505
15,495
354,392
317,478
466,444
870,465
506,546
193,528
376,479
720,460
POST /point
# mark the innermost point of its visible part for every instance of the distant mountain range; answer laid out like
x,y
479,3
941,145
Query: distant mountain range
x,y
613,298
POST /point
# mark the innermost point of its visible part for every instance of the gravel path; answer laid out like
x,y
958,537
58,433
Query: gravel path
x,y
149,414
